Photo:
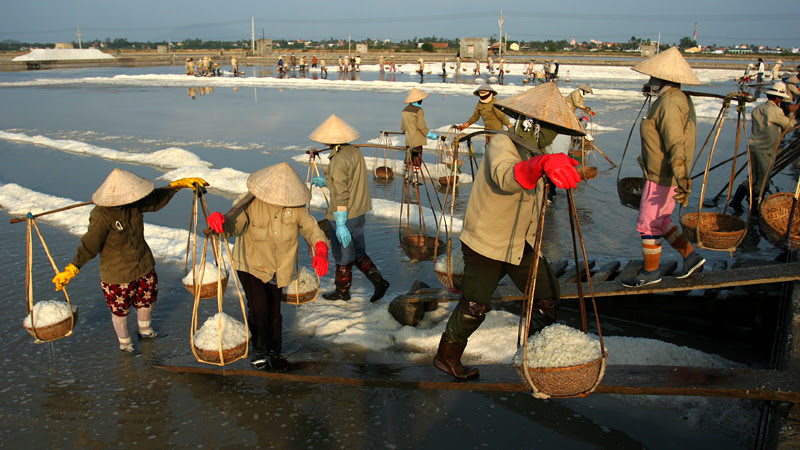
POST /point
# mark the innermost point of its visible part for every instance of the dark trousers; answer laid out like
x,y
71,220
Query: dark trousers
x,y
263,313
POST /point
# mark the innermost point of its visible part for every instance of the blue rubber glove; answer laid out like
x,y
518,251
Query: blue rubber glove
x,y
342,233
319,182
432,135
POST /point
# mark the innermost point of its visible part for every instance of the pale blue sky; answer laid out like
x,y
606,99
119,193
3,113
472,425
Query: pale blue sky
x,y
722,22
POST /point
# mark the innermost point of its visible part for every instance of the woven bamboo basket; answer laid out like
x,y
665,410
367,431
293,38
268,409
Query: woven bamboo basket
x,y
383,172
570,381
448,180
774,218
717,231
587,172
56,330
419,247
453,281
303,297
208,290
230,354
630,191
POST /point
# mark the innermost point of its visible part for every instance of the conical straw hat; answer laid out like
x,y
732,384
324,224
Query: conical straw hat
x,y
544,103
484,87
586,88
415,95
279,185
122,187
334,131
668,65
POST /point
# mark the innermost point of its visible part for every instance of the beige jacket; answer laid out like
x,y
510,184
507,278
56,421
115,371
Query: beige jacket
x,y
413,125
348,181
575,100
501,215
669,134
769,121
266,239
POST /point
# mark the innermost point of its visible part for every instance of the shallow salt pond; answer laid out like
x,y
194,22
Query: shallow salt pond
x,y
68,129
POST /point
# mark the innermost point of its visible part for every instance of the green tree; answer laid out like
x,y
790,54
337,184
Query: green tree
x,y
687,42
427,47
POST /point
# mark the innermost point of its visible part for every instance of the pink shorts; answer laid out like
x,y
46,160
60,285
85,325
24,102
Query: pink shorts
x,y
141,293
655,209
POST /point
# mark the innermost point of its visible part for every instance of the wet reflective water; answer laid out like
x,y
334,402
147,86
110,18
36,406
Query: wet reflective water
x,y
82,391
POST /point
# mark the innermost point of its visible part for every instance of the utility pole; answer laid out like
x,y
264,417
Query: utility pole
x,y
80,44
348,45
658,46
253,36
500,21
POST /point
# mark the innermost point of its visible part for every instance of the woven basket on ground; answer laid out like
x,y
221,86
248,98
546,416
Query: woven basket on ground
x,y
448,180
383,172
774,219
419,247
717,231
302,297
587,172
630,191
453,281
56,330
208,290
567,381
230,354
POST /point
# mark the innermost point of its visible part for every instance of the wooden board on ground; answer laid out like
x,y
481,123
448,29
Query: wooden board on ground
x,y
619,379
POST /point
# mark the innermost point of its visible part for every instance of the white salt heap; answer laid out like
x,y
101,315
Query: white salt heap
x,y
234,333
559,346
456,261
308,283
211,274
48,312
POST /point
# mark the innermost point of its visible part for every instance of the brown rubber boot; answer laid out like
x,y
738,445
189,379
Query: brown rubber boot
x,y
365,265
342,280
448,360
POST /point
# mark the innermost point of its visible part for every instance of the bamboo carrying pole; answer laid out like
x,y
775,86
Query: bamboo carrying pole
x,y
65,208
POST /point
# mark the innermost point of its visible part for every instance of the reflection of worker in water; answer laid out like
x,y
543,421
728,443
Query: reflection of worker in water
x,y
192,92
669,134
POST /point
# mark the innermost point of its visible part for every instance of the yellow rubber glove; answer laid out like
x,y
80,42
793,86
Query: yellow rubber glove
x,y
188,183
62,278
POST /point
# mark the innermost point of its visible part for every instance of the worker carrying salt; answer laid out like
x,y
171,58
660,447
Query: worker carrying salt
x,y
266,250
501,220
116,233
669,134
575,99
189,66
235,65
413,125
493,118
768,123
760,69
350,202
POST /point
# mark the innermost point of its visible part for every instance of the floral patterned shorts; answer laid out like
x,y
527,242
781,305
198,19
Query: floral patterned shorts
x,y
141,293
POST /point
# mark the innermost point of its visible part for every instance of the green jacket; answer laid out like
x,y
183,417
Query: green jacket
x,y
768,121
347,179
501,215
266,239
575,100
493,118
669,134
117,234
413,125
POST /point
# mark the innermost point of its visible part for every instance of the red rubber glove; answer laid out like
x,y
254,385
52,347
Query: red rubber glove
x,y
592,113
215,221
558,166
320,261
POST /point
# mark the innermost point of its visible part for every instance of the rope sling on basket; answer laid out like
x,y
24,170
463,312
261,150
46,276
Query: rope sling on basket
x,y
717,231
584,150
55,319
447,151
630,189
222,339
452,280
416,244
207,289
779,218
577,380
383,172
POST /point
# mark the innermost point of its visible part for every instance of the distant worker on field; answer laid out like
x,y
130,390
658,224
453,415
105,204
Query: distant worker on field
x,y
502,68
493,118
458,65
392,64
189,66
358,62
477,69
553,70
490,65
303,64
235,65
415,129
292,61
775,69
381,63
323,68
575,99
444,67
760,69
421,69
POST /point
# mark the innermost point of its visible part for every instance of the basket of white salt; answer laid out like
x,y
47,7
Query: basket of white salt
x,y
50,320
303,288
221,340
450,273
561,362
208,277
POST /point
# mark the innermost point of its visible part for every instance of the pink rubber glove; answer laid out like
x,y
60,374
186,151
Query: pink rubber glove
x,y
320,261
558,166
215,221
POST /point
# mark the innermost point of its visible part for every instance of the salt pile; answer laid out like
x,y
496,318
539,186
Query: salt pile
x,y
456,262
234,333
559,346
308,282
48,312
211,275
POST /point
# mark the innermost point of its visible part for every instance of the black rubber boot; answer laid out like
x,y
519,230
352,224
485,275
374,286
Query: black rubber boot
x,y
736,201
365,265
342,279
465,319
448,360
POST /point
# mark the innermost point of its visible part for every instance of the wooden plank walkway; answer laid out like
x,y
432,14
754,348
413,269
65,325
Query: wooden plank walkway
x,y
618,379
712,279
